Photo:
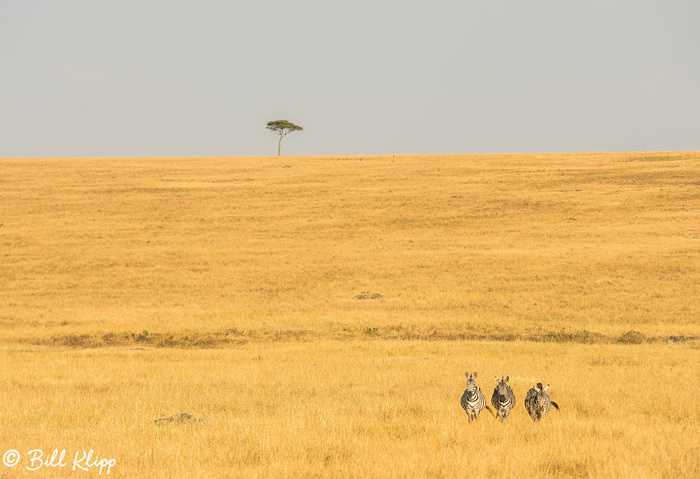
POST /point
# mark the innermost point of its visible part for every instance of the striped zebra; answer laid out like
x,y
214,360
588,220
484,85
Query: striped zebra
x,y
537,402
473,400
503,399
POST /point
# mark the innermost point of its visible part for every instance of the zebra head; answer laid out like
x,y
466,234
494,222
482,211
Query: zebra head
x,y
471,383
502,388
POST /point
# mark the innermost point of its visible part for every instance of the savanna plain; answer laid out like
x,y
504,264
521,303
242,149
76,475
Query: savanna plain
x,y
318,314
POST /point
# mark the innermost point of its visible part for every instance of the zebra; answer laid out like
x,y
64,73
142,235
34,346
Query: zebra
x,y
473,400
503,399
537,402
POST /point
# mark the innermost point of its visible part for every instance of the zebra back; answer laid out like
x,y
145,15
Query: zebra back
x,y
538,402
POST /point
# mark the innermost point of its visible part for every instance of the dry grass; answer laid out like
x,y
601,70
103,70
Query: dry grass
x,y
318,313
359,409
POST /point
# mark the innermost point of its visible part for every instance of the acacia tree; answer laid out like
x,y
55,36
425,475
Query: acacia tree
x,y
282,128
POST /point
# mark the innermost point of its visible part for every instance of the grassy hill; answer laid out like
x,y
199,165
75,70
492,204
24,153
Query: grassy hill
x,y
541,246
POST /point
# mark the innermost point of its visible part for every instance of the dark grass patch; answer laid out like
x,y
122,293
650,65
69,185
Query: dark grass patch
x,y
186,339
632,337
562,467
78,341
570,336
678,339
368,295
145,338
182,418
230,337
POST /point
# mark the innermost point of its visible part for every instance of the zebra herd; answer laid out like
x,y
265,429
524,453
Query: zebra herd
x,y
537,401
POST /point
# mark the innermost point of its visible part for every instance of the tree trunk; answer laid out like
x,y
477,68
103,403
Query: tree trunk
x,y
279,145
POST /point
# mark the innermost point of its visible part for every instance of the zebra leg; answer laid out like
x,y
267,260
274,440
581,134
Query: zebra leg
x,y
501,414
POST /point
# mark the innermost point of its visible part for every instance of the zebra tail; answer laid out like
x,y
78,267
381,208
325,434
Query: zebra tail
x,y
555,405
489,410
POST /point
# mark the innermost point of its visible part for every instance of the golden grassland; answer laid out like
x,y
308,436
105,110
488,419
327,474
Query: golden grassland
x,y
137,288
357,409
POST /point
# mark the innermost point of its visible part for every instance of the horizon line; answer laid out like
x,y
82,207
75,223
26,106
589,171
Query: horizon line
x,y
190,157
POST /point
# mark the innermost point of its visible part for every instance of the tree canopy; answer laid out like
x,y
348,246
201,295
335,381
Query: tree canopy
x,y
282,128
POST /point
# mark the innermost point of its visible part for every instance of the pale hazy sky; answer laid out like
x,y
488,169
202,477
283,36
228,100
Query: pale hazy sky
x,y
189,78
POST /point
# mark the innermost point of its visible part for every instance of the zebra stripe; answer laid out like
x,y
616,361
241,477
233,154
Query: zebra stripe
x,y
503,399
538,403
473,400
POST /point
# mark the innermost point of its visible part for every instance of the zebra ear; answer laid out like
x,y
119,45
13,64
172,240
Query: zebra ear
x,y
546,387
467,374
507,378
474,374
496,378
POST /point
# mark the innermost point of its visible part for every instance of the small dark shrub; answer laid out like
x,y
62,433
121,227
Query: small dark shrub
x,y
632,337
